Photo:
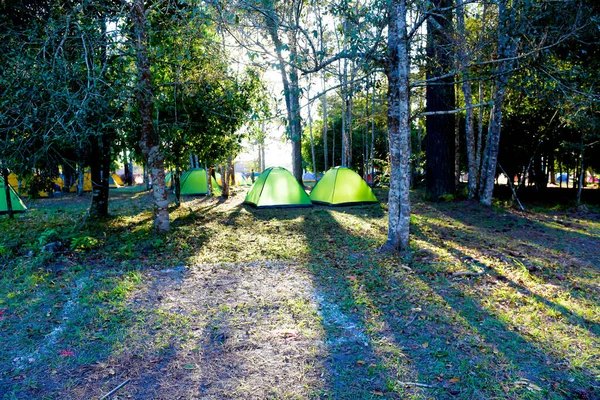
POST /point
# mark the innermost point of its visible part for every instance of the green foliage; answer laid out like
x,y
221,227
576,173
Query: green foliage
x,y
48,236
82,243
4,251
360,135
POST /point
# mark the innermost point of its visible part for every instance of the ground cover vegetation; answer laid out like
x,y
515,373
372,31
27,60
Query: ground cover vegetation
x,y
241,303
164,82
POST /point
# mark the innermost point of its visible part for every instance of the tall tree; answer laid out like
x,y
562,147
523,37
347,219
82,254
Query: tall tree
x,y
149,140
398,71
440,98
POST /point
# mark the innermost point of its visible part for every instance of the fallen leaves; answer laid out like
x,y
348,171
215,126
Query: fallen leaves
x,y
287,334
527,384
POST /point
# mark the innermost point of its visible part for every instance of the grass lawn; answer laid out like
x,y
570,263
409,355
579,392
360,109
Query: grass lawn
x,y
239,303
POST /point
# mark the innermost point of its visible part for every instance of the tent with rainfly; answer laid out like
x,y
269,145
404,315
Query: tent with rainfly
x,y
341,186
115,181
193,182
277,187
15,201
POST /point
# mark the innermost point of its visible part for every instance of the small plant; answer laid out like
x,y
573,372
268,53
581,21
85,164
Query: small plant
x,y
4,251
48,236
83,243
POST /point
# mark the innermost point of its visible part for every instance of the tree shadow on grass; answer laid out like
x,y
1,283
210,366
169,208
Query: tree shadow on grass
x,y
425,336
75,318
549,255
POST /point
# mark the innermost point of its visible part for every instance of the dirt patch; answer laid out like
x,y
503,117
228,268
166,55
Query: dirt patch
x,y
244,331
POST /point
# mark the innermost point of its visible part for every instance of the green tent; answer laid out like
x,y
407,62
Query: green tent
x,y
276,187
193,182
15,200
341,186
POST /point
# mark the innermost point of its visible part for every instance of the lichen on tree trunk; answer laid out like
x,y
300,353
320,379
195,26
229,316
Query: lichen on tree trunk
x,y
506,51
149,142
397,71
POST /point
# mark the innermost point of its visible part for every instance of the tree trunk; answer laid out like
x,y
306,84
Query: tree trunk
x,y
291,91
146,178
126,170
9,207
397,71
100,172
505,52
149,141
312,142
325,127
581,171
456,146
440,97
176,183
80,180
209,175
463,55
372,156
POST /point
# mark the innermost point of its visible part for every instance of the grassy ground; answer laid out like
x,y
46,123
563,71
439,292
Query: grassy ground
x,y
297,304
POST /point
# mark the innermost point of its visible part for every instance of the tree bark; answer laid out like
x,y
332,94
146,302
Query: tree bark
x,y
99,174
312,141
9,207
291,91
473,168
325,127
126,170
224,181
176,183
440,97
149,141
397,71
505,52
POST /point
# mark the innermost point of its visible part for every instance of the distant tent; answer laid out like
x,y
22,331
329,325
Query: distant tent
x,y
168,181
115,180
342,186
276,187
240,180
308,177
16,202
87,183
13,180
193,182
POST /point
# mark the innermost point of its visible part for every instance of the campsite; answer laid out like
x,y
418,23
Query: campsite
x,y
249,303
299,199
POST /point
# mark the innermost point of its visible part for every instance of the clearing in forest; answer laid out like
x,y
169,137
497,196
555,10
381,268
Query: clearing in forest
x,y
298,303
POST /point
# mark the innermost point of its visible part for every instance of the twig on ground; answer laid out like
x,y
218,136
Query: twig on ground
x,y
468,273
107,395
415,315
405,384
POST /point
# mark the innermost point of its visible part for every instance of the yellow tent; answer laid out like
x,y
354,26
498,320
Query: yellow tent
x,y
13,180
87,183
117,179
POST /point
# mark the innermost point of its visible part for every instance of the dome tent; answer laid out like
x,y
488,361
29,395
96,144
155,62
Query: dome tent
x,y
341,186
15,201
277,187
193,182
115,181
